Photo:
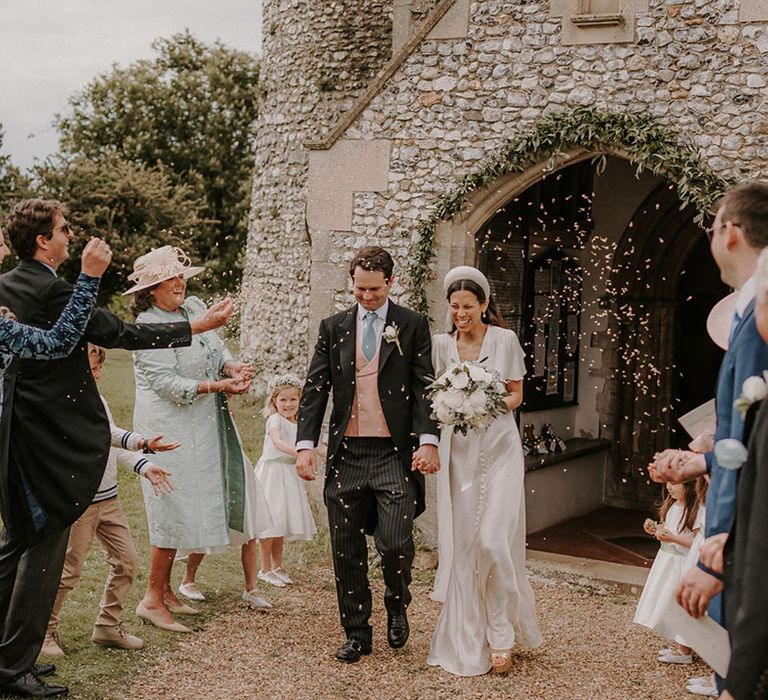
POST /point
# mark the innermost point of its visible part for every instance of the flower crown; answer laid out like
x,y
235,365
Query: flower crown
x,y
285,380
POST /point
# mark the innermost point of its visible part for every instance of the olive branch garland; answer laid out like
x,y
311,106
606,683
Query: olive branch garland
x,y
640,136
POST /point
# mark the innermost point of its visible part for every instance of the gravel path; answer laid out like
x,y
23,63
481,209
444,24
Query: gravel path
x,y
592,650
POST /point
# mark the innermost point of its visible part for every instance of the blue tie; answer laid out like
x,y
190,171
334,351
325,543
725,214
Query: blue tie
x,y
734,326
369,336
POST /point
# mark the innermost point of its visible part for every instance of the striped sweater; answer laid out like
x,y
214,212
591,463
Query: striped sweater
x,y
124,451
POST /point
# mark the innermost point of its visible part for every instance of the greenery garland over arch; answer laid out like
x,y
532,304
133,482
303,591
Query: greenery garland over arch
x,y
640,137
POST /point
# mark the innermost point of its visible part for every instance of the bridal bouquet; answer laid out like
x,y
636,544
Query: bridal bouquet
x,y
468,397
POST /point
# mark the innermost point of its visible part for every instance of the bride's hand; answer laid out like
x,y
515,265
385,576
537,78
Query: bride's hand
x,y
426,459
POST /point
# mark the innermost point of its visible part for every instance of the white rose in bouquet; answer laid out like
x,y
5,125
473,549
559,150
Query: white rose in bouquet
x,y
478,400
453,399
439,401
443,413
478,374
459,380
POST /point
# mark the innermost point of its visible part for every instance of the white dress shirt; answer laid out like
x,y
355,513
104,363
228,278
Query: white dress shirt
x,y
746,295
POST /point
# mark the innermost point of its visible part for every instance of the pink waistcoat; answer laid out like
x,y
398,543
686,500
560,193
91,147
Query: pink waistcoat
x,y
367,417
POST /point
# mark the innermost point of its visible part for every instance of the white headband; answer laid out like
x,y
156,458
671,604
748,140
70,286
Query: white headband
x,y
465,272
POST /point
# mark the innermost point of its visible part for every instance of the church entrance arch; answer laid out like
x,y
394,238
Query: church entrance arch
x,y
607,280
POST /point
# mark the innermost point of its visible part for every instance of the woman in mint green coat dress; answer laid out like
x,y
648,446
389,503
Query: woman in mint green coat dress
x,y
216,501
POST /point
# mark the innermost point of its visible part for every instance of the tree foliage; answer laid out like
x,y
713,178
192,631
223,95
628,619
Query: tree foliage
x,y
14,185
190,112
134,207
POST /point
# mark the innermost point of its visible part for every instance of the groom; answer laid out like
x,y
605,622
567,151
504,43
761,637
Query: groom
x,y
376,357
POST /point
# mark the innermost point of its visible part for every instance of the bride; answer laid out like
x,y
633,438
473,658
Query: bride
x,y
489,604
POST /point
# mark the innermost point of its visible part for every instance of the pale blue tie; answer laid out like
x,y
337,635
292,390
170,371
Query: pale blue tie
x,y
736,321
369,335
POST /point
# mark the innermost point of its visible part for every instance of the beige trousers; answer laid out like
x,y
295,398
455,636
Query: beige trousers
x,y
105,521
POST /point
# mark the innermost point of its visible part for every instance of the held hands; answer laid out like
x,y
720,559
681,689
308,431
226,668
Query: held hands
x,y
215,317
695,590
158,477
426,460
711,553
95,258
676,466
156,444
664,535
306,465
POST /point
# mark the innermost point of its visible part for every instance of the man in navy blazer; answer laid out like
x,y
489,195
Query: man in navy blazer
x,y
737,236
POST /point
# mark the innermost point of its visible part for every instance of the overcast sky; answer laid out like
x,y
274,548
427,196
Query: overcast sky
x,y
50,49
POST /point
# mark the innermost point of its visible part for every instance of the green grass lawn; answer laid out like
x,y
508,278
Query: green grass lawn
x,y
93,672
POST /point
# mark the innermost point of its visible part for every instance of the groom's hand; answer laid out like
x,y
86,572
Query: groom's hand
x,y
426,459
306,465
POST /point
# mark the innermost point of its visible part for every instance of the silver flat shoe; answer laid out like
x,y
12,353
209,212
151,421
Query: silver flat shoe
x,y
255,601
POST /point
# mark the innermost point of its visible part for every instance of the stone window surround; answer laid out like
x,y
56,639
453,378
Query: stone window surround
x,y
586,22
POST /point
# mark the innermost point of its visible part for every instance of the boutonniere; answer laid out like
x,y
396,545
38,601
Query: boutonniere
x,y
392,335
753,390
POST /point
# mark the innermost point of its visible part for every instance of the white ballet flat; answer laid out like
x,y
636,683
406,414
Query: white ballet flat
x,y
676,658
191,591
285,578
271,578
253,600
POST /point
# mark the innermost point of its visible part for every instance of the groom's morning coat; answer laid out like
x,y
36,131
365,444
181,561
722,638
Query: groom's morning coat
x,y
54,433
403,378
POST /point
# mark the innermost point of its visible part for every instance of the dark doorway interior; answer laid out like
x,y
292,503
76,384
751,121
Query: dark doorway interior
x,y
609,534
697,358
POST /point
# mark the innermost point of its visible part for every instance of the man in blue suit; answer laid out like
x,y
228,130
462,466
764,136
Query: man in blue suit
x,y
737,236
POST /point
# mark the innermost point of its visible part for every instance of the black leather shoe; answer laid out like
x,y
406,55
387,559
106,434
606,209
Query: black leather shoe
x,y
29,686
41,670
352,650
397,630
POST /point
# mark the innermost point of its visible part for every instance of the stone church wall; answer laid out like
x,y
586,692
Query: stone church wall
x,y
698,65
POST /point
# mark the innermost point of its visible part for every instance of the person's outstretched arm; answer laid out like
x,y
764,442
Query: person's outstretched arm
x,y
31,343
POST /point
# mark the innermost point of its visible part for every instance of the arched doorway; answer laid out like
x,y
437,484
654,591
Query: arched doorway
x,y
607,280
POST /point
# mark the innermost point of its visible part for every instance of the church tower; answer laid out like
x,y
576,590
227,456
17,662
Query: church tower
x,y
318,57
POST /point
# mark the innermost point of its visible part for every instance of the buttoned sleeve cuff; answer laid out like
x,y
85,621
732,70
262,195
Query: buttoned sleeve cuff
x,y
305,445
428,439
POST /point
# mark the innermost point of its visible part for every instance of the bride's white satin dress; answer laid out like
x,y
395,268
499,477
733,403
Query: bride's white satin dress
x,y
488,601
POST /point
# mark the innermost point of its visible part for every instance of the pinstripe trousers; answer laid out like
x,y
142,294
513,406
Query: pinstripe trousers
x,y
367,479
29,578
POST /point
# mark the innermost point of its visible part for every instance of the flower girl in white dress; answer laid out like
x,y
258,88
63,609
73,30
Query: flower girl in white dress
x,y
489,603
682,517
284,491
